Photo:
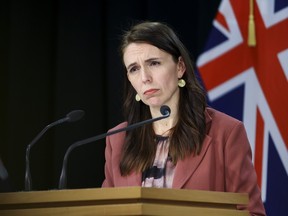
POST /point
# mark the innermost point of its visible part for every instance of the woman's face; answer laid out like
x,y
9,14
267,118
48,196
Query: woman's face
x,y
153,73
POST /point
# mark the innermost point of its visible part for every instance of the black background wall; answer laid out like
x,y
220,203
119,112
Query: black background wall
x,y
56,56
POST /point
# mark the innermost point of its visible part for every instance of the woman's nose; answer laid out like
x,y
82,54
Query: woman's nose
x,y
146,75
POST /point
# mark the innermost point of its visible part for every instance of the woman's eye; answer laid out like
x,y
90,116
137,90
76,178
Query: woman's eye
x,y
133,69
154,63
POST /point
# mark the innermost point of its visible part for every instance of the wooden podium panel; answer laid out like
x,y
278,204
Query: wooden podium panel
x,y
122,201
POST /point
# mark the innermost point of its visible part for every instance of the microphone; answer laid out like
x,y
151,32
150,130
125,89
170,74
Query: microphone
x,y
3,171
73,116
165,111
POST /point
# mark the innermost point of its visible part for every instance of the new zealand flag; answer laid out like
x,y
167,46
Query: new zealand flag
x,y
251,84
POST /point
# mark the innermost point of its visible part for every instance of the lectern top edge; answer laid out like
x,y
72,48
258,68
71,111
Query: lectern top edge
x,y
94,194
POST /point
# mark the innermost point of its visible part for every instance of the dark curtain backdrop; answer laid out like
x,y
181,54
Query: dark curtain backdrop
x,y
57,56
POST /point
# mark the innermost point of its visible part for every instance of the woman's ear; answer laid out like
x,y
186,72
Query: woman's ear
x,y
181,67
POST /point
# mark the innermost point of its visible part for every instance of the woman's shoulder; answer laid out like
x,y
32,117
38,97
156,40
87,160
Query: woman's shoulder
x,y
216,114
220,121
117,138
221,126
119,126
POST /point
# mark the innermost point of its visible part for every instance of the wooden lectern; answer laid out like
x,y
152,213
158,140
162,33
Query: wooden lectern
x,y
122,201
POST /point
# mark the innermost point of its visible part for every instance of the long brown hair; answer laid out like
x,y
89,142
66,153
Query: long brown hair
x,y
187,136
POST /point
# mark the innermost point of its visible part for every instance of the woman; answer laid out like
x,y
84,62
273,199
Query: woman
x,y
196,147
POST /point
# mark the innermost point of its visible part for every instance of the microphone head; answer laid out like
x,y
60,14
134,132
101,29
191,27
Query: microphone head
x,y
75,115
165,110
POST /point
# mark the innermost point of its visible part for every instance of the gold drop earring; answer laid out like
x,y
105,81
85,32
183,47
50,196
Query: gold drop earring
x,y
181,83
137,97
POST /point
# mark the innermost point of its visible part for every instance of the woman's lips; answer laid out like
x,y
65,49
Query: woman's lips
x,y
150,91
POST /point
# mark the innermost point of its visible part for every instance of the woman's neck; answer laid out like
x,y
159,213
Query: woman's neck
x,y
162,127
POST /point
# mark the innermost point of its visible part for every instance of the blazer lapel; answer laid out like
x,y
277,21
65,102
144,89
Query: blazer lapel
x,y
185,168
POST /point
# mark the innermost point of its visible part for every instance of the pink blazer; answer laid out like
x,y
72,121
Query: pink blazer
x,y
224,163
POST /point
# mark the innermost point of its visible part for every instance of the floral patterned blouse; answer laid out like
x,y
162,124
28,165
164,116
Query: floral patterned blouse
x,y
161,174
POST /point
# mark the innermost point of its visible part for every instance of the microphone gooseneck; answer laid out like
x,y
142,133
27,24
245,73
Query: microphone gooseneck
x,y
75,115
165,111
70,117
